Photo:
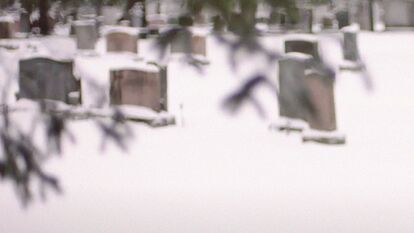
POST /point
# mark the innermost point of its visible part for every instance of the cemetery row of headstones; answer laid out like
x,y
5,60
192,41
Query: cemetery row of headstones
x,y
51,79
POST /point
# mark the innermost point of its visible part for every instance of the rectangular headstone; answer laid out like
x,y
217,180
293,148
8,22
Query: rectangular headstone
x,y
86,34
121,42
24,23
322,99
351,51
139,87
6,29
292,86
44,78
199,45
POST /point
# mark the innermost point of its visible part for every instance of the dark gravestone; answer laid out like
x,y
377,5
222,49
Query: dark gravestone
x,y
139,87
322,101
6,29
351,52
343,19
86,34
121,42
44,78
309,47
327,23
292,86
24,23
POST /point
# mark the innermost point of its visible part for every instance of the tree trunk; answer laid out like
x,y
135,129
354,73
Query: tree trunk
x,y
371,15
44,24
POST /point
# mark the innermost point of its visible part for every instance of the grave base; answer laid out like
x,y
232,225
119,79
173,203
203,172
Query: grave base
x,y
329,138
129,113
351,66
289,124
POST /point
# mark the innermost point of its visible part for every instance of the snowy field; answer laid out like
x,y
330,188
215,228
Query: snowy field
x,y
217,173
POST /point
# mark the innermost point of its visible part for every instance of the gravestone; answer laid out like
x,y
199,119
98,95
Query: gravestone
x,y
190,43
86,34
321,117
24,23
351,52
306,46
292,88
343,18
45,78
119,41
182,42
6,28
138,87
198,44
322,101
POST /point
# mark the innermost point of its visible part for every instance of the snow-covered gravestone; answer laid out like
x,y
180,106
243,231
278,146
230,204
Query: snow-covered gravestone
x,y
86,34
146,87
306,45
350,49
293,91
321,114
122,41
6,27
45,78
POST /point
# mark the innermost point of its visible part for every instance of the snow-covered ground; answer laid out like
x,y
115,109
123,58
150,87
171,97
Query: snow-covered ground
x,y
221,174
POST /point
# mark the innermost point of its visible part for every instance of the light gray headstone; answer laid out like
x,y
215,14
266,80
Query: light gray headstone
x,y
140,88
86,35
44,78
